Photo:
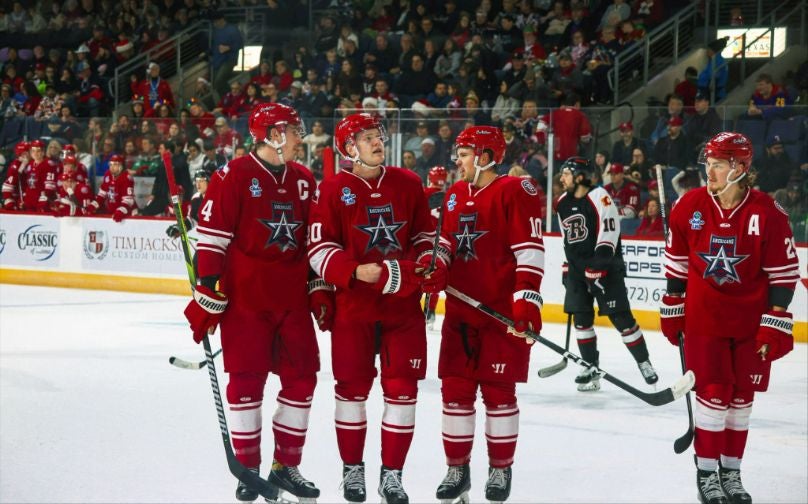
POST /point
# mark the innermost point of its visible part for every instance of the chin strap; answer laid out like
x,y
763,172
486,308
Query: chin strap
x,y
278,146
479,169
730,181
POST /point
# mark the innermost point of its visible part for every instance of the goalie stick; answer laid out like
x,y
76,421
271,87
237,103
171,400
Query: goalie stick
x,y
238,470
665,396
184,364
435,202
559,366
683,443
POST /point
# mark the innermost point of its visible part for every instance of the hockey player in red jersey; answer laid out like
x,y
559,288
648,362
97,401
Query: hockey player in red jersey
x,y
625,193
495,253
369,225
38,180
731,266
595,270
71,165
436,182
116,195
12,185
252,228
74,197
68,151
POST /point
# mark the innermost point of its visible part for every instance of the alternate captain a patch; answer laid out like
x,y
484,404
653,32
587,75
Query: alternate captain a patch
x,y
466,236
282,226
722,260
382,228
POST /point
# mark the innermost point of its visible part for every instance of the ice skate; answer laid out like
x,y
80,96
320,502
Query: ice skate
x,y
430,320
353,482
588,380
648,372
710,491
288,479
498,486
390,488
454,489
732,486
245,493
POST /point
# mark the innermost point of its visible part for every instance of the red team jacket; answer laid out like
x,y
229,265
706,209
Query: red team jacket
x,y
252,232
358,221
115,192
729,259
496,243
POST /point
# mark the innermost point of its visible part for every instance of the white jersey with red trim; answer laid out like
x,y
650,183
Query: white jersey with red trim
x,y
729,259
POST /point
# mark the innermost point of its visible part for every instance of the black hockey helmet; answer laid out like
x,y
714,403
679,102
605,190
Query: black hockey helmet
x,y
202,174
579,166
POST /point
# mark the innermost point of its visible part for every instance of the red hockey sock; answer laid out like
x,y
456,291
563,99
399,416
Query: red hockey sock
x,y
501,422
350,419
398,420
291,419
245,394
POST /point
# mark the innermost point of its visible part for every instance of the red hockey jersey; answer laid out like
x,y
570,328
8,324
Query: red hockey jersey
x,y
729,259
495,241
357,221
627,198
76,204
252,232
12,186
39,184
115,192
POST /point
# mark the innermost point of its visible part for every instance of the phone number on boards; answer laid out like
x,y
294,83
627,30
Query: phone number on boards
x,y
644,294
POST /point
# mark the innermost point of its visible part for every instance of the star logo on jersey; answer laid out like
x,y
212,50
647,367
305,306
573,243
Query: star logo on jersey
x,y
282,226
466,236
721,260
382,228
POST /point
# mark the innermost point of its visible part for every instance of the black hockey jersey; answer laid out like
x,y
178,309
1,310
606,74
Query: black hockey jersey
x,y
587,224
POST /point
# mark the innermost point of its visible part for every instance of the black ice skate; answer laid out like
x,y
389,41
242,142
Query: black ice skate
x,y
648,372
289,479
245,493
353,482
709,488
498,486
588,380
732,486
455,486
390,488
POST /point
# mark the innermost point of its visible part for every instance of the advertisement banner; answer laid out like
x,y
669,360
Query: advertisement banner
x,y
137,246
30,241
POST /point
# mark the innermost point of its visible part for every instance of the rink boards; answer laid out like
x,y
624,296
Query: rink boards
x,y
136,255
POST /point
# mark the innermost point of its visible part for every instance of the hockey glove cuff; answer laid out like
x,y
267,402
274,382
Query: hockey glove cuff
x,y
399,277
120,214
775,331
672,317
204,311
526,308
322,303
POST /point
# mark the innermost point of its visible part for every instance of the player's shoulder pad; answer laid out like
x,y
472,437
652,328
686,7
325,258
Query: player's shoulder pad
x,y
762,199
599,196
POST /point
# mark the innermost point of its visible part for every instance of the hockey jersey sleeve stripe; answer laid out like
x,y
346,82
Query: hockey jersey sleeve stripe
x,y
675,257
674,273
8,187
530,269
794,267
316,249
532,257
214,232
319,260
213,241
607,243
523,245
208,248
128,200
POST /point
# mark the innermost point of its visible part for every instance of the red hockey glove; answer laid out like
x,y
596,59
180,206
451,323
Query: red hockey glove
x,y
42,203
672,317
10,205
400,277
204,311
434,281
322,303
594,279
526,310
119,214
775,331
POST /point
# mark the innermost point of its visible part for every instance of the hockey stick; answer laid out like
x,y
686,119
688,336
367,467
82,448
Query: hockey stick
x,y
670,394
559,366
435,202
682,443
184,364
238,470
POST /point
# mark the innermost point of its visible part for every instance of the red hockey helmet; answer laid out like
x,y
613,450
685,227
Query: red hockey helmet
x,y
69,148
733,147
481,139
269,115
39,144
348,128
65,176
21,148
69,159
116,158
437,176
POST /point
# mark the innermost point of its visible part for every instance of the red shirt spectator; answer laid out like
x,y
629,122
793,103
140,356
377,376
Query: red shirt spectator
x,y
651,224
570,126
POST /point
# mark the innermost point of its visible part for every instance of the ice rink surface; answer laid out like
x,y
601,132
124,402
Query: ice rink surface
x,y
91,411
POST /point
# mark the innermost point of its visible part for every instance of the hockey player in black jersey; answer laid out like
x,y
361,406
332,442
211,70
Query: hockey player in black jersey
x,y
595,270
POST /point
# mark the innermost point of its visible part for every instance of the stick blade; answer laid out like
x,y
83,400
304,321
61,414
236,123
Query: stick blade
x,y
554,369
184,364
683,443
684,384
